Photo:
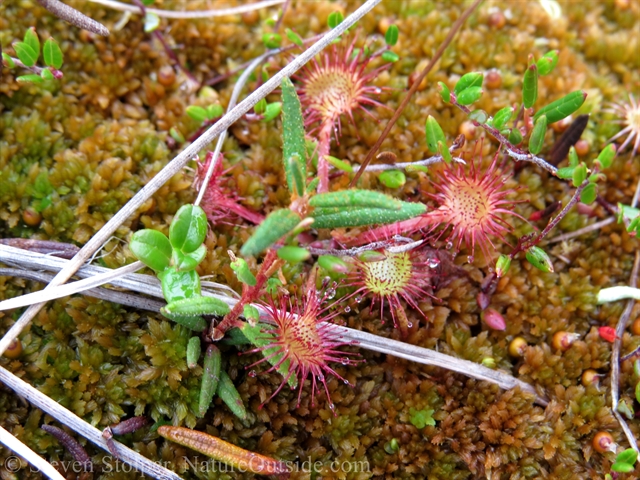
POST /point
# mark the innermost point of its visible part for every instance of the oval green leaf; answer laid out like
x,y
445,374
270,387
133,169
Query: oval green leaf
x,y
562,107
188,228
152,248
52,54
392,178
530,86
472,79
469,95
434,134
391,37
26,53
536,140
31,39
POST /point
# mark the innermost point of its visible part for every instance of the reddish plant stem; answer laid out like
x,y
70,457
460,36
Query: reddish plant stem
x,y
249,294
324,145
76,450
57,74
529,241
452,33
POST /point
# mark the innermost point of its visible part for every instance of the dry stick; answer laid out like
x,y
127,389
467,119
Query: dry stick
x,y
615,357
60,291
452,33
19,448
123,7
71,420
148,284
587,229
180,161
74,17
430,357
113,296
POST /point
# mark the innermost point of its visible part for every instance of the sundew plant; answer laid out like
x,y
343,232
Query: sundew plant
x,y
406,251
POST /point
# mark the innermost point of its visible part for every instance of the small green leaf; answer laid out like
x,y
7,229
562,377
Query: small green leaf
x,y
8,61
179,285
193,352
230,396
26,53
392,178
502,265
31,39
333,264
188,228
214,111
52,54
573,157
260,107
355,198
479,116
638,392
271,40
196,305
502,117
355,217
46,74
607,155
243,272
469,95
472,79
188,261
389,56
176,135
628,456
547,62
579,174
434,134
210,378
151,22
278,224
294,37
293,145
293,254
562,107
565,173
536,140
589,194
515,136
251,313
537,257
391,37
272,111
530,86
622,467
335,19
199,114
339,164
152,248
445,93
31,78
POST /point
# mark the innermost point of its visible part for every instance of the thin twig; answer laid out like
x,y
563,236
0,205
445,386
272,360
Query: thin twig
x,y
74,17
615,357
452,33
180,161
75,423
379,167
69,289
582,231
38,463
221,12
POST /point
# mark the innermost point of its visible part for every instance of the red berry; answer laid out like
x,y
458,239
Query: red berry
x,y
607,333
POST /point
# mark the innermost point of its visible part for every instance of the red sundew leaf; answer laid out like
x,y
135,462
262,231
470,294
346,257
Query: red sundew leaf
x,y
607,333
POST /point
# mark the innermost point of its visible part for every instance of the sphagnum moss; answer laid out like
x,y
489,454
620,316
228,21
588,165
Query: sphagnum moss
x,y
101,133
